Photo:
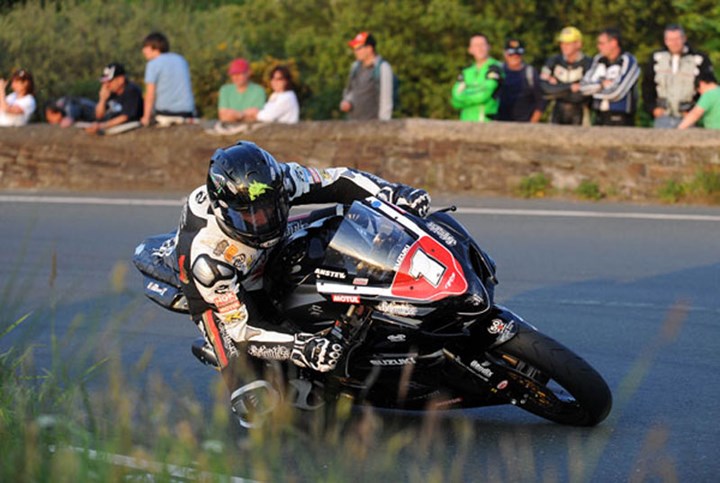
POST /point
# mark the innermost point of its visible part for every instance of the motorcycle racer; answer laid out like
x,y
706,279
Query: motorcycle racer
x,y
226,235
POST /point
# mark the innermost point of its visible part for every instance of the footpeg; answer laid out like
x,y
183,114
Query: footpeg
x,y
204,352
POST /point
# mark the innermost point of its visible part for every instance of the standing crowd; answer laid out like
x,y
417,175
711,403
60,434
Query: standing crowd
x,y
678,84
678,88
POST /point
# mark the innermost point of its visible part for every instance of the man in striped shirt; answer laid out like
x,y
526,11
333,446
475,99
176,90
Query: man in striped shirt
x,y
612,82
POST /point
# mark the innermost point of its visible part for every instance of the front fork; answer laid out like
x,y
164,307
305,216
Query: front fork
x,y
488,374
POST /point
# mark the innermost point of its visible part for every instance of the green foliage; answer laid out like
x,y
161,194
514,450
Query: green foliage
x,y
704,186
534,186
706,183
66,43
589,190
672,191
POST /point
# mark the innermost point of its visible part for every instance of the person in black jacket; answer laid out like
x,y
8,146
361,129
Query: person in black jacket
x,y
119,100
560,79
521,98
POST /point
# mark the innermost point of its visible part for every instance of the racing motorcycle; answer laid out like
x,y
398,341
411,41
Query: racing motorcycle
x,y
413,301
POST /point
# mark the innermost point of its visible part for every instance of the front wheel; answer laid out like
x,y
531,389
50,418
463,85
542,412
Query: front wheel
x,y
551,381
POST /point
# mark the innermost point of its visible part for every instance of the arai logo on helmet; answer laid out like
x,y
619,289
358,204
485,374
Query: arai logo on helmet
x,y
256,189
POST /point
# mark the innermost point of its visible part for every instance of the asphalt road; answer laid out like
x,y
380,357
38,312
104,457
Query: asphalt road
x,y
632,289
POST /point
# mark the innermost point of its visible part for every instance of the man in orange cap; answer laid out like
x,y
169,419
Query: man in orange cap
x,y
240,94
369,91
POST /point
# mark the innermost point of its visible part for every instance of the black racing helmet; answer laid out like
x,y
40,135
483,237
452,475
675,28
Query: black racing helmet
x,y
247,193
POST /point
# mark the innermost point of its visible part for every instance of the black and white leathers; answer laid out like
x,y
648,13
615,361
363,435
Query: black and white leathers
x,y
218,272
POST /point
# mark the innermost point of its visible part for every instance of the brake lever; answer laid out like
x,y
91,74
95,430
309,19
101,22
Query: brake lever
x,y
451,208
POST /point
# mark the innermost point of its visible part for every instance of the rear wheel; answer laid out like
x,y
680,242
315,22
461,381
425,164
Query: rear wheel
x,y
551,381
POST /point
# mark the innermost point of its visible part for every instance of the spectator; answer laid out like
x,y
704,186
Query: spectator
x,y
119,101
708,106
521,98
283,104
369,90
16,108
669,79
612,82
168,88
67,110
239,95
560,79
476,92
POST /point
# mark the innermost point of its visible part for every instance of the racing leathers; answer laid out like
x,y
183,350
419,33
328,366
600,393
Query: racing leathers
x,y
669,83
477,91
569,105
222,278
613,86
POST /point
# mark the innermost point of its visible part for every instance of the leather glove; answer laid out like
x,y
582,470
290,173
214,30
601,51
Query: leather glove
x,y
316,352
414,200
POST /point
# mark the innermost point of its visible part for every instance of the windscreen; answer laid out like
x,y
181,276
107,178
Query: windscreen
x,y
368,246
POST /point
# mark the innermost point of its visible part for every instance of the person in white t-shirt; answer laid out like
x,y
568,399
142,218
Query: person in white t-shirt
x,y
17,107
282,106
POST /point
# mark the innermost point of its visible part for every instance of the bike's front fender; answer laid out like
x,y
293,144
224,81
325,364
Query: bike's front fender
x,y
496,328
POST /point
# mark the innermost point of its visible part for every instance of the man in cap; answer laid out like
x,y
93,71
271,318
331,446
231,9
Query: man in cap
x,y
476,92
119,101
521,98
612,82
669,78
240,94
560,78
369,91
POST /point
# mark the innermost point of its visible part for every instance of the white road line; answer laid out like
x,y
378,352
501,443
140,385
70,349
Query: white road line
x,y
464,211
81,200
519,300
589,214
154,467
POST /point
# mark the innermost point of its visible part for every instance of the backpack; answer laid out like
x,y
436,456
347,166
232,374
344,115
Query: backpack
x,y
376,76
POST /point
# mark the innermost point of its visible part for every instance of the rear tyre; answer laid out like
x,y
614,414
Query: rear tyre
x,y
558,384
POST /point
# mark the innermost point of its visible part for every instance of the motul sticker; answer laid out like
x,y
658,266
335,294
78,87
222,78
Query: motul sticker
x,y
226,302
346,299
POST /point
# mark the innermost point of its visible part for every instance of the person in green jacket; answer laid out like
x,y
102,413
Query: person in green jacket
x,y
476,91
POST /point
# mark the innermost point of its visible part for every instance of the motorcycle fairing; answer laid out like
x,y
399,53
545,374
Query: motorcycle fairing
x,y
392,257
428,272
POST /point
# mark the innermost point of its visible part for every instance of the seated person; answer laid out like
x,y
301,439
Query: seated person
x,y
282,106
16,108
67,110
708,106
120,101
241,94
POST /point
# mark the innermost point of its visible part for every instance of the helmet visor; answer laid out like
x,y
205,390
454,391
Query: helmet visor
x,y
260,222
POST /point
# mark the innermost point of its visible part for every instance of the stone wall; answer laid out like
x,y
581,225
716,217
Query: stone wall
x,y
443,156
